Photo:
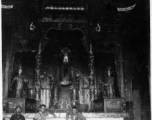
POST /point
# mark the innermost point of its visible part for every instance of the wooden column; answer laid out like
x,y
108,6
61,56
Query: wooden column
x,y
136,105
119,68
121,73
127,77
91,76
8,65
38,76
6,79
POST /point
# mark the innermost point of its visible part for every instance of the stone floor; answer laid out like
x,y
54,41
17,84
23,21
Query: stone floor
x,y
89,116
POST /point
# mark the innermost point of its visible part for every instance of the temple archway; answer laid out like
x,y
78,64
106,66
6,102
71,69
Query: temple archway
x,y
52,59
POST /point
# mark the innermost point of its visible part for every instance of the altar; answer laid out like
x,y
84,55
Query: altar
x,y
89,116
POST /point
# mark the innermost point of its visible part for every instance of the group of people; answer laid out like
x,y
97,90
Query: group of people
x,y
42,114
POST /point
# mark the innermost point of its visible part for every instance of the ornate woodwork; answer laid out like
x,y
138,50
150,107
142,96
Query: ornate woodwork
x,y
100,26
28,105
114,105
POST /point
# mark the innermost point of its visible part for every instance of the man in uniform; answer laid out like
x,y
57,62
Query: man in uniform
x,y
41,115
17,115
75,115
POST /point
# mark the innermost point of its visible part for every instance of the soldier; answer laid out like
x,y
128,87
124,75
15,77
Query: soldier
x,y
17,115
41,115
75,115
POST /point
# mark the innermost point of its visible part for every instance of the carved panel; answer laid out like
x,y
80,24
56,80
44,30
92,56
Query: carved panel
x,y
63,2
46,27
9,105
113,104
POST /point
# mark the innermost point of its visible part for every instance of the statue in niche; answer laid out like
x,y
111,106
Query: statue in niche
x,y
46,89
21,85
109,84
75,86
65,51
65,67
50,78
51,81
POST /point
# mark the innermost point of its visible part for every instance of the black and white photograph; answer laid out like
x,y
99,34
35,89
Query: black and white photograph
x,y
75,60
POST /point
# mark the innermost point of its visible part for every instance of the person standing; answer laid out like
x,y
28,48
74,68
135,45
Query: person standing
x,y
17,115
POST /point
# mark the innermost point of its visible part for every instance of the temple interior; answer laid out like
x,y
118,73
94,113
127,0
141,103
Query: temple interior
x,y
93,54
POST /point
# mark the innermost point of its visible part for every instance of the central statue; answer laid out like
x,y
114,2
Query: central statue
x,y
65,67
65,94
65,51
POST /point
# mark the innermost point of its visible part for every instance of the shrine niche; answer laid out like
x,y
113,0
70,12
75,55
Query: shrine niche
x,y
63,62
65,69
64,74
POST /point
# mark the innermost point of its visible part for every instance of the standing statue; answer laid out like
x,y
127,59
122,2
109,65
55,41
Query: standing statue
x,y
65,52
65,66
50,78
109,84
51,81
20,84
